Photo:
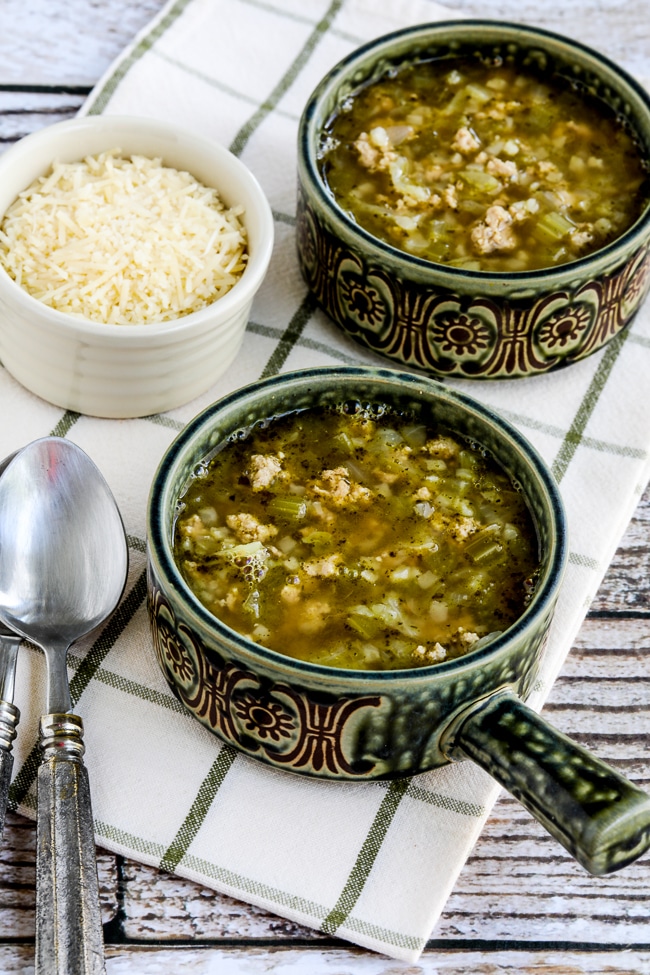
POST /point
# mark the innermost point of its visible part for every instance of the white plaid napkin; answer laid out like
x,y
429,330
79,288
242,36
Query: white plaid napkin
x,y
371,863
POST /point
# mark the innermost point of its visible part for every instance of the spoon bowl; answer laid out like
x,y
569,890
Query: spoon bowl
x,y
63,565
60,534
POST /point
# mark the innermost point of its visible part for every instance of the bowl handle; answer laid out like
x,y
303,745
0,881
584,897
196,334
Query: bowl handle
x,y
601,818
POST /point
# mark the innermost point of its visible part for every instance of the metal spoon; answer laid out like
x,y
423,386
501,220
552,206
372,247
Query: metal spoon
x,y
63,564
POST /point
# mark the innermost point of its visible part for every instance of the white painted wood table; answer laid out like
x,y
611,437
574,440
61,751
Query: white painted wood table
x,y
521,904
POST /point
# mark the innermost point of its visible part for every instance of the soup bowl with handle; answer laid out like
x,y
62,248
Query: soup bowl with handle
x,y
353,725
458,321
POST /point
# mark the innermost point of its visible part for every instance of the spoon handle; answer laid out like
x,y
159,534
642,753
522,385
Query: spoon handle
x,y
9,715
69,937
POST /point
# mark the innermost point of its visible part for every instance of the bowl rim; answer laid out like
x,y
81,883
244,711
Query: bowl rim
x,y
159,550
308,135
227,305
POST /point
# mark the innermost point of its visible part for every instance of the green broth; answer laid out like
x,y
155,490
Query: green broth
x,y
357,538
482,166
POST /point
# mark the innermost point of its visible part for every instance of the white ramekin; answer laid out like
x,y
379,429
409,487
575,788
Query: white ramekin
x,y
129,370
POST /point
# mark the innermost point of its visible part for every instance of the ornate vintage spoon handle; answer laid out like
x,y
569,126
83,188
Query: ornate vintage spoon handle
x,y
599,816
9,715
69,937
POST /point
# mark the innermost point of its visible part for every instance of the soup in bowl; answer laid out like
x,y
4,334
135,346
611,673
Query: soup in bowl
x,y
389,648
360,536
473,198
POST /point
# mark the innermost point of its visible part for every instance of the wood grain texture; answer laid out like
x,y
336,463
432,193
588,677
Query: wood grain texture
x,y
520,905
24,112
56,42
337,961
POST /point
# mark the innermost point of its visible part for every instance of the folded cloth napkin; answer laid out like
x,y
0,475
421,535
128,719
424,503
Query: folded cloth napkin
x,y
366,862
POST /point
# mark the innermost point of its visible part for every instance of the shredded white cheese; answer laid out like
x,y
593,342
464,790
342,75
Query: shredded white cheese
x,y
122,240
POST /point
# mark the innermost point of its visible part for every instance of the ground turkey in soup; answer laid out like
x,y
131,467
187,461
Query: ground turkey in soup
x,y
357,538
480,166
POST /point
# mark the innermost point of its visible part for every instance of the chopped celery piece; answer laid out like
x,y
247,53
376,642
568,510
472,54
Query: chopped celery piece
x,y
484,549
292,508
486,544
247,550
437,229
484,182
553,226
478,93
467,458
454,488
467,263
319,541
457,103
252,603
391,437
467,583
416,435
207,544
344,441
366,626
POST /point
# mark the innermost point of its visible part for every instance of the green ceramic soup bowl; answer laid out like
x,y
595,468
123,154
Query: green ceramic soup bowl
x,y
357,725
449,320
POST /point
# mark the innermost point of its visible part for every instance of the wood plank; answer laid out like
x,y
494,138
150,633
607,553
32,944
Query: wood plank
x,y
251,960
22,113
57,42
255,961
626,586
84,37
161,906
18,874
619,29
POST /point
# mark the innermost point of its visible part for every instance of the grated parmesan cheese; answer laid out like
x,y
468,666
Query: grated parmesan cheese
x,y
122,241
